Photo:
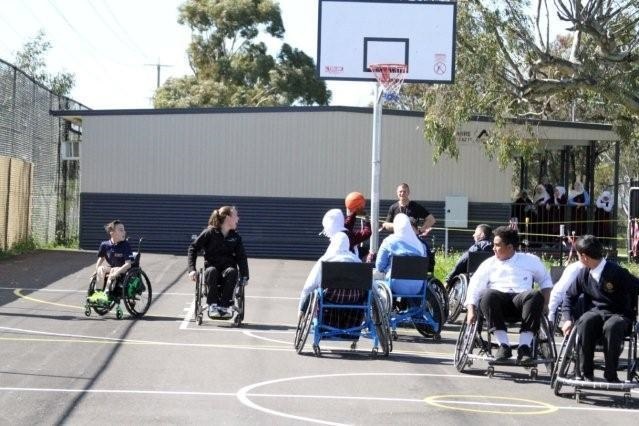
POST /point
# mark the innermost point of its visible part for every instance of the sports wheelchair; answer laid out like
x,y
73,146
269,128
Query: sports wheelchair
x,y
424,310
475,344
134,289
331,320
201,291
555,275
458,288
567,368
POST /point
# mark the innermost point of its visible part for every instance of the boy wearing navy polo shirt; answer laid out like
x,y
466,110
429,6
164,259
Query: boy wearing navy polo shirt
x,y
114,255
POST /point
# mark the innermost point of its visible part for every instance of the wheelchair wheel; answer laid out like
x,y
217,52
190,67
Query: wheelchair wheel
x,y
100,310
304,324
567,362
456,296
197,301
545,344
464,345
137,292
382,326
435,308
238,302
436,286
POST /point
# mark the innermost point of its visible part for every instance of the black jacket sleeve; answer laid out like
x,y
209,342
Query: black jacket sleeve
x,y
242,261
198,244
572,295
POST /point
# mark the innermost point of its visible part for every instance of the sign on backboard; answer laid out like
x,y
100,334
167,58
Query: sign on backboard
x,y
353,34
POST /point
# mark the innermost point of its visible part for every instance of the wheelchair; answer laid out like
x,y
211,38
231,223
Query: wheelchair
x,y
424,310
330,320
567,367
201,291
134,289
475,344
458,288
555,275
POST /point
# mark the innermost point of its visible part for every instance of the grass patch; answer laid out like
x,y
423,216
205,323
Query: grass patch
x,y
31,244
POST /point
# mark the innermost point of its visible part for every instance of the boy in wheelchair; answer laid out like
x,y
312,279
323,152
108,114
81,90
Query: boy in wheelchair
x,y
611,293
114,258
502,287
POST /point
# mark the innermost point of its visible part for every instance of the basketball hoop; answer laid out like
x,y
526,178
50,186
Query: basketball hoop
x,y
390,77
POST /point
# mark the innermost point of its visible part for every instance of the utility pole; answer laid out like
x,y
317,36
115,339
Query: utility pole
x,y
158,66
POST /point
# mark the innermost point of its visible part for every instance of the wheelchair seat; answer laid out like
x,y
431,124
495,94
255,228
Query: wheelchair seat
x,y
344,308
459,286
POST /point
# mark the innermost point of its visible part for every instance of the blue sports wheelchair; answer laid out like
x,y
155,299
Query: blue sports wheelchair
x,y
134,289
459,285
345,307
425,309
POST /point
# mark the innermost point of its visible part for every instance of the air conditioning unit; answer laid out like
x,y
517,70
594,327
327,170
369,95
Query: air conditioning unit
x,y
70,150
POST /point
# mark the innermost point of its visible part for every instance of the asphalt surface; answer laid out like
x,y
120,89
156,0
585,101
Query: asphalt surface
x,y
60,367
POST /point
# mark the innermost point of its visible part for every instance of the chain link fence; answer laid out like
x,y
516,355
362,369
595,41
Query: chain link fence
x,y
29,133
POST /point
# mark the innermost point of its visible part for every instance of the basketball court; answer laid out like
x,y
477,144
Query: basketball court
x,y
60,366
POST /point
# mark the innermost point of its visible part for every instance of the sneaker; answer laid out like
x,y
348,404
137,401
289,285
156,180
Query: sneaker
x,y
503,353
99,297
524,355
225,312
214,310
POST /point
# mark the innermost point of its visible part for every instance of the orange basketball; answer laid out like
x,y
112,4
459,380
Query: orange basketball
x,y
355,201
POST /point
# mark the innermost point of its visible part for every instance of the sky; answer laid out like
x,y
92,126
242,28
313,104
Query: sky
x,y
113,46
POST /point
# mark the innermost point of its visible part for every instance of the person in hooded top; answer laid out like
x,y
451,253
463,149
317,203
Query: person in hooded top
x,y
403,242
337,251
542,227
579,200
334,222
557,208
603,216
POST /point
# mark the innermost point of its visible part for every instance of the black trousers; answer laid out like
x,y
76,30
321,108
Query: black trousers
x,y
527,307
220,285
592,326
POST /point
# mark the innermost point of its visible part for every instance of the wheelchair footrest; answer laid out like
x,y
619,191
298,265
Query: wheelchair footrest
x,y
514,362
600,385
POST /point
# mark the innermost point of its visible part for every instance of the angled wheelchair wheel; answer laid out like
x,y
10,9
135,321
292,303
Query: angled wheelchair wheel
x,y
566,365
304,324
197,301
102,309
137,292
382,326
464,345
545,344
436,286
239,303
456,296
434,308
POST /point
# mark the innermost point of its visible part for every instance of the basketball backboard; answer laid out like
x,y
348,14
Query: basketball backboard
x,y
353,34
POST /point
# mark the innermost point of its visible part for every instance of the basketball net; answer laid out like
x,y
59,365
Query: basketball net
x,y
390,77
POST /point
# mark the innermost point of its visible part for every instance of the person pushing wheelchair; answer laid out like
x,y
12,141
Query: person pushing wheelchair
x,y
502,287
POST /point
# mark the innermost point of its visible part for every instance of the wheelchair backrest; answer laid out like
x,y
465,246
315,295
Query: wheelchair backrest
x,y
409,267
555,273
347,275
475,259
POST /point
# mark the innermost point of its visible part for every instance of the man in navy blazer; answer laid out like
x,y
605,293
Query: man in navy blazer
x,y
611,292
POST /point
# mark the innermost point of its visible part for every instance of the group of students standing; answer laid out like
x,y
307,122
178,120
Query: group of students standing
x,y
551,207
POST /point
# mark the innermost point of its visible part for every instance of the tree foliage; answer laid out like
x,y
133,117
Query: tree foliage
x,y
509,67
31,59
232,67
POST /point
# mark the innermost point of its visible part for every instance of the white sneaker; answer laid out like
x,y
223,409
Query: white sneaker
x,y
214,310
225,312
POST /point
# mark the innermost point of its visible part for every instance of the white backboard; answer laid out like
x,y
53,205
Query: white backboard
x,y
354,34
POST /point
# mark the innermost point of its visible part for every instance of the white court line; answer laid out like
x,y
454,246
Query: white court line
x,y
168,293
190,311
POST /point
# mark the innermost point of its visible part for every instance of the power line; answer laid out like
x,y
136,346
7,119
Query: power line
x,y
130,39
108,26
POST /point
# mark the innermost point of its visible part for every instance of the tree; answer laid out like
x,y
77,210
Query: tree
x,y
507,66
32,60
232,68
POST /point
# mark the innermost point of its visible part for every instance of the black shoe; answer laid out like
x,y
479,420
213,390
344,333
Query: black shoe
x,y
612,378
590,377
524,355
503,353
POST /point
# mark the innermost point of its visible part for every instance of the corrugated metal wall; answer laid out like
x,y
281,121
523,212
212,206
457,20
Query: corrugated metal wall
x,y
285,153
270,227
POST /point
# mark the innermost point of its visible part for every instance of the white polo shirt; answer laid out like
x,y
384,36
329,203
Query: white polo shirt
x,y
514,275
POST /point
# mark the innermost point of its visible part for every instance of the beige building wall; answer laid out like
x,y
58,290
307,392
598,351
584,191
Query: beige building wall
x,y
314,154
